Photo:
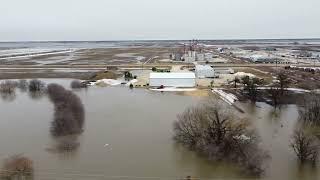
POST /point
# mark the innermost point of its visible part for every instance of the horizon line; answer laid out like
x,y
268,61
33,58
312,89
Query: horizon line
x,y
146,40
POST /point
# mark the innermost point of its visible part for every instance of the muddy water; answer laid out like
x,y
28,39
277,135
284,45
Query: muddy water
x,y
275,126
128,134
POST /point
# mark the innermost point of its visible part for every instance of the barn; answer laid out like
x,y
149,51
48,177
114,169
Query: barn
x,y
183,79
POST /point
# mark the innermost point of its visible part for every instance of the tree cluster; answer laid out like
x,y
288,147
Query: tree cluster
x,y
69,111
305,140
277,90
283,81
250,87
219,135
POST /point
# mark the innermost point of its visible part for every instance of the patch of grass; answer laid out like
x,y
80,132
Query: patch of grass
x,y
267,77
104,75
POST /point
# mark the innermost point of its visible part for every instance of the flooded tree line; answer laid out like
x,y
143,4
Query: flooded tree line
x,y
216,131
67,124
305,139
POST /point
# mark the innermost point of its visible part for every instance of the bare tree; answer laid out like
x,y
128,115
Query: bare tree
x,y
235,81
8,90
17,167
36,85
251,87
275,94
309,111
306,146
219,135
283,81
8,86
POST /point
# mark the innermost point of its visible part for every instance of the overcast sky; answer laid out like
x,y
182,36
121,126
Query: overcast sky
x,y
25,20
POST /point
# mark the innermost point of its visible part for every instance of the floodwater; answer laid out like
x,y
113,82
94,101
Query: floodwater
x,y
128,135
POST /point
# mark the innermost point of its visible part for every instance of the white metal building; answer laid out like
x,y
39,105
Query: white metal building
x,y
183,79
204,71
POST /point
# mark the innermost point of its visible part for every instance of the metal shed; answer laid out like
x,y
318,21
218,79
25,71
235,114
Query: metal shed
x,y
185,79
204,71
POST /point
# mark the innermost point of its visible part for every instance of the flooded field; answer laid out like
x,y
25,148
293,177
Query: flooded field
x,y
128,135
66,53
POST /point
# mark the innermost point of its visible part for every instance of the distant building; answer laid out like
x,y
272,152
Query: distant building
x,y
190,56
223,71
208,56
176,56
186,79
257,58
301,54
200,57
204,71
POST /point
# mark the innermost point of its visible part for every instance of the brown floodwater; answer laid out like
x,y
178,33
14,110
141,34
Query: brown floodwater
x,y
128,135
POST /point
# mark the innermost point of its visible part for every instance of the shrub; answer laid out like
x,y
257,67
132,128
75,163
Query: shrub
x,y
8,86
76,84
36,85
17,167
305,146
127,75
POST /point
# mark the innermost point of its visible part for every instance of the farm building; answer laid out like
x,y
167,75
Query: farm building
x,y
186,79
204,71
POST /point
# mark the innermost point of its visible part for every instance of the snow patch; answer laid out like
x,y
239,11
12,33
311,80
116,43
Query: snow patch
x,y
173,89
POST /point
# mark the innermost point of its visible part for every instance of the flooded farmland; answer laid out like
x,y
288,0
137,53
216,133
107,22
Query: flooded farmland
x,y
128,135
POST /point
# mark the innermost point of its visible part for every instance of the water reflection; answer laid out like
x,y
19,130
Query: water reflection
x,y
37,95
65,145
194,164
306,171
23,85
9,97
8,90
